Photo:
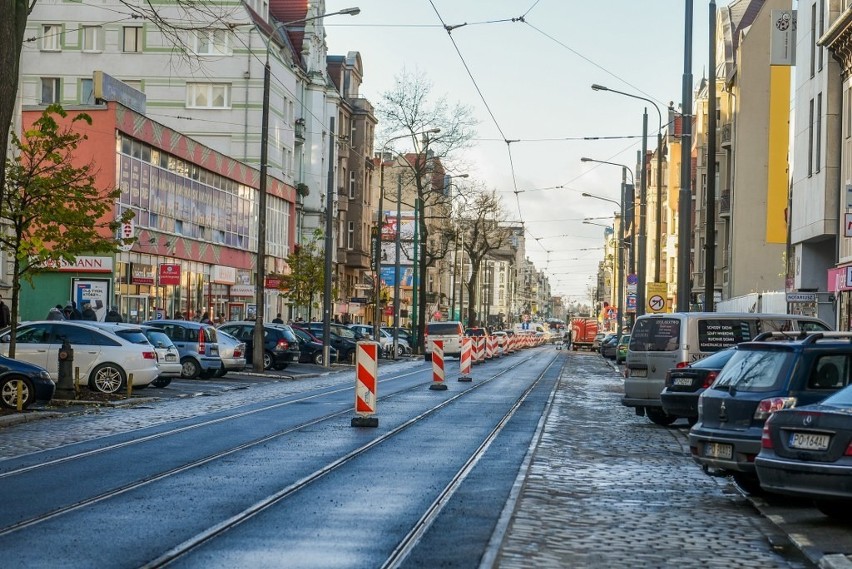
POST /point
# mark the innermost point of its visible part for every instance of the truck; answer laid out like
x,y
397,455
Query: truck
x,y
583,332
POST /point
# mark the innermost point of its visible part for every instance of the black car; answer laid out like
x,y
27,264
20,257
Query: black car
x,y
684,385
34,381
280,344
775,371
343,339
311,348
609,346
807,451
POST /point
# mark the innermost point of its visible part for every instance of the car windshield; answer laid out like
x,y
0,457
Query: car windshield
x,y
158,338
753,370
344,332
132,335
443,329
302,335
655,335
716,361
842,398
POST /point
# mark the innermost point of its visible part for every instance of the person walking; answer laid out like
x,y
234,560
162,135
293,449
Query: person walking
x,y
278,319
205,318
55,314
77,315
89,313
113,315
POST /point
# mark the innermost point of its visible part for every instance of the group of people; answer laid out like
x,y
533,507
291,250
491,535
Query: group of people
x,y
71,312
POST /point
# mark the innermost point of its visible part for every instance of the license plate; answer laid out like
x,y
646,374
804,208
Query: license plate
x,y
809,441
171,358
638,373
717,450
682,381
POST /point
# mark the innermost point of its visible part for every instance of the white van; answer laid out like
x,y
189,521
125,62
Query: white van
x,y
450,332
660,342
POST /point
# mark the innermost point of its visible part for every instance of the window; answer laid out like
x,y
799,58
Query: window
x,y
49,90
51,38
87,95
811,139
814,38
132,40
92,38
818,134
208,95
352,184
350,235
821,29
212,42
353,130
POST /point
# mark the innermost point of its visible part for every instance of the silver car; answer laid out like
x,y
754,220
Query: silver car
x,y
168,360
232,352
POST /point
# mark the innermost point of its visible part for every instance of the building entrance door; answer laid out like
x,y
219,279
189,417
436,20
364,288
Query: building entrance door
x,y
134,308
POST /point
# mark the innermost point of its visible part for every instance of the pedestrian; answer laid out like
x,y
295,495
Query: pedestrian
x,y
89,313
5,316
113,315
77,314
55,314
205,318
278,319
68,312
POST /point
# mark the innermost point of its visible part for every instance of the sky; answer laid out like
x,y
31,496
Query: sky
x,y
535,75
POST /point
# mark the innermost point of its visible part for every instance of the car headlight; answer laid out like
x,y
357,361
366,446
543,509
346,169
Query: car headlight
x,y
43,375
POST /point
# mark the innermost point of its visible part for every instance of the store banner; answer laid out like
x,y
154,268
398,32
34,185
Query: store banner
x,y
93,293
142,274
169,274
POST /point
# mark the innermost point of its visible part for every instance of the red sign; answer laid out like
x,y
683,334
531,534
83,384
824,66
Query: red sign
x,y
272,282
169,274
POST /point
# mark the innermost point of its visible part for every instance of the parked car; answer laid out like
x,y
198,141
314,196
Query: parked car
x,y
311,348
105,360
776,371
685,385
34,381
596,343
806,452
385,340
621,348
197,346
280,345
450,332
232,351
342,338
608,346
660,342
404,333
168,359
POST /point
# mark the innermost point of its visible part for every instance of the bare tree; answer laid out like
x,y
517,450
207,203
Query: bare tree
x,y
406,108
482,231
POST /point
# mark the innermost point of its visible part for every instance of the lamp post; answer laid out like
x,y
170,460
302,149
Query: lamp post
x,y
659,208
449,179
260,283
378,259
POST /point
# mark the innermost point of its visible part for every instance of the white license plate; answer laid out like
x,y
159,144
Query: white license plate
x,y
717,450
171,358
809,441
638,373
682,381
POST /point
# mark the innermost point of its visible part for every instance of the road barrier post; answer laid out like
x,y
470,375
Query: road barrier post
x,y
438,366
464,359
366,374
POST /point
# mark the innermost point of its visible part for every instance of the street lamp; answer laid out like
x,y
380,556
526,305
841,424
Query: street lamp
x,y
659,208
378,259
260,284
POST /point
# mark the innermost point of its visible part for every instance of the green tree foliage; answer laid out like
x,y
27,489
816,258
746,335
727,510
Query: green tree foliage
x,y
51,208
307,272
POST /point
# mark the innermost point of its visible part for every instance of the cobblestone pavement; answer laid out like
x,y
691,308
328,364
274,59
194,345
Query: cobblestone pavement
x,y
607,488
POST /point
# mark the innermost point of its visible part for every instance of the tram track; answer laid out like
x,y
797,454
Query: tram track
x,y
259,506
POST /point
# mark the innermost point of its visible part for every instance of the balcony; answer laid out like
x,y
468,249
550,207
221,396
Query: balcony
x,y
299,131
725,204
727,135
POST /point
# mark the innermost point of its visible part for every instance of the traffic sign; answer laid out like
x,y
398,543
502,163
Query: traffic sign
x,y
632,279
656,303
657,295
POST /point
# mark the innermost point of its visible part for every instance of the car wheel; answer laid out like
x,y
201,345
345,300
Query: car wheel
x,y
189,368
221,372
400,351
836,509
107,378
208,374
9,392
267,360
161,382
692,420
660,417
749,483
318,358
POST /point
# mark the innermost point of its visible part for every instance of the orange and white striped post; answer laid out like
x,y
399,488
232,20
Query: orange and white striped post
x,y
366,380
464,360
438,366
480,349
489,348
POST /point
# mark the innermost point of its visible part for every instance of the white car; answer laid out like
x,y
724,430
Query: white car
x,y
385,340
168,359
105,360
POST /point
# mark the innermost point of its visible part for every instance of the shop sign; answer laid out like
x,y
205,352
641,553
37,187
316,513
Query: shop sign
x,y
358,300
272,282
795,297
84,264
169,274
223,275
242,290
141,274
